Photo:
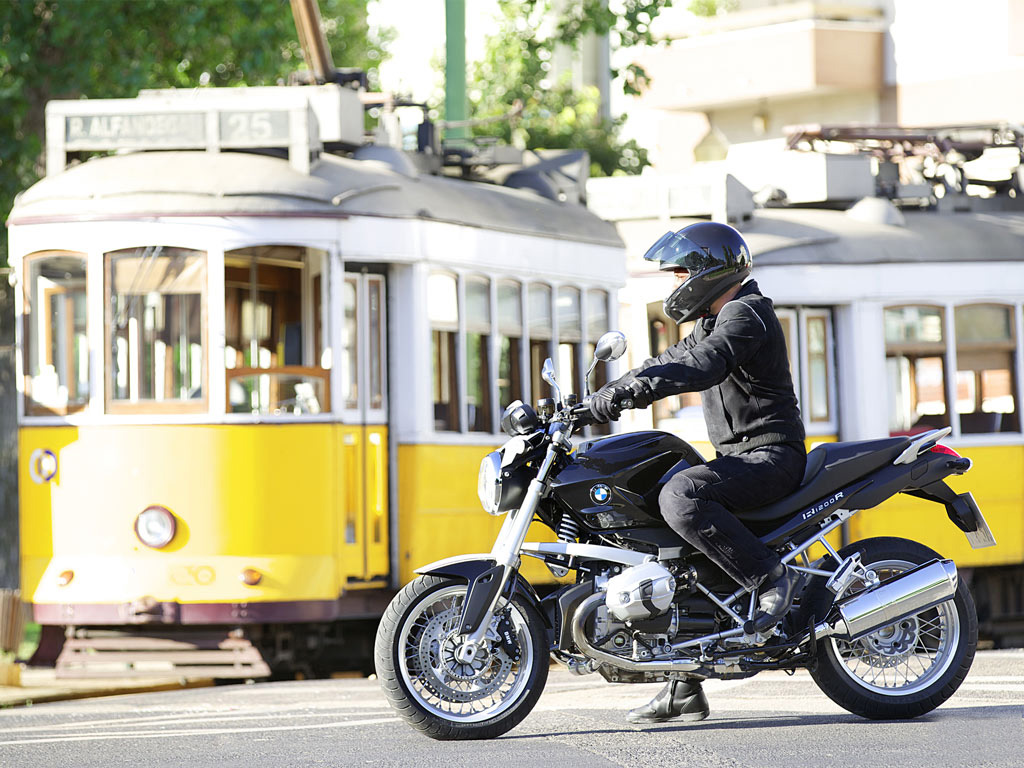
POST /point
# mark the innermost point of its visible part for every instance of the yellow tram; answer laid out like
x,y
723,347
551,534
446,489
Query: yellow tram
x,y
260,358
895,259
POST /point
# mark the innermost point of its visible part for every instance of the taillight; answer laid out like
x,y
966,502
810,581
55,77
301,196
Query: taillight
x,y
939,448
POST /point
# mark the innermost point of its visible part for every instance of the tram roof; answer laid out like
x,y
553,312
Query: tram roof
x,y
180,183
797,236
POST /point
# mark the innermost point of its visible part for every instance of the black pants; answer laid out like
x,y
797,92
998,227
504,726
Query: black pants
x,y
696,504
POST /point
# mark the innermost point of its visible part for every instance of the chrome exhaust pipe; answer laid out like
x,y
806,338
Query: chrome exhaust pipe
x,y
911,592
579,636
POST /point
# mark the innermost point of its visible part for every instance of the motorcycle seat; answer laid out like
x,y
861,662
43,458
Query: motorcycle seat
x,y
830,467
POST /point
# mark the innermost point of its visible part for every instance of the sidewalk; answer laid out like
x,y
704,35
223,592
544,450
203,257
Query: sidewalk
x,y
41,684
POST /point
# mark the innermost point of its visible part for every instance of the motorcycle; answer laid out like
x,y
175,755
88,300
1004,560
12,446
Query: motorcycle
x,y
884,625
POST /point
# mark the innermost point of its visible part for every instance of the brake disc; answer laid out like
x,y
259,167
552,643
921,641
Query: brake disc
x,y
447,677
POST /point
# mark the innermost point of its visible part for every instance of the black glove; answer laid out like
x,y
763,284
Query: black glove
x,y
608,402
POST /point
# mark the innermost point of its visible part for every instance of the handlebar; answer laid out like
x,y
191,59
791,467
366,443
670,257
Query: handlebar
x,y
580,414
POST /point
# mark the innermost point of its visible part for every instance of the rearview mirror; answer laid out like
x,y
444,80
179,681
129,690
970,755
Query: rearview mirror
x,y
611,346
547,373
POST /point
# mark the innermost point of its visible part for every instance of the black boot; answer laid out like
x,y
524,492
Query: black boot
x,y
683,699
776,597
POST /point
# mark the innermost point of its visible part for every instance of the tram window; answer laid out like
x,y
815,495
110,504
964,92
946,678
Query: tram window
x,y
57,348
817,369
510,333
155,335
540,338
272,331
985,364
478,374
665,333
443,310
787,319
916,369
570,337
349,345
597,326
376,309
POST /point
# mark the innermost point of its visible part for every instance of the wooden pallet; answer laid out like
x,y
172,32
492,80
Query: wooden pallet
x,y
12,620
210,654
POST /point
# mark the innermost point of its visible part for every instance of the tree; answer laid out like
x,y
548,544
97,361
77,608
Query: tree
x,y
67,49
518,67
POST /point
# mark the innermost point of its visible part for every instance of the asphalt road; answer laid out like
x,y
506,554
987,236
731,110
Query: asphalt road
x,y
767,721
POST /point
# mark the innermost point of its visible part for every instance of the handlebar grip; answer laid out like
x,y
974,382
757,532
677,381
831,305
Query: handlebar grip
x,y
581,414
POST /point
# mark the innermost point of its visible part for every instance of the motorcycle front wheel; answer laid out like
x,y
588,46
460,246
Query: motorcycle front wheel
x,y
424,680
908,668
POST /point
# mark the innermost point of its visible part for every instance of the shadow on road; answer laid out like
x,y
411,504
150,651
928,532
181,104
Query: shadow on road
x,y
998,712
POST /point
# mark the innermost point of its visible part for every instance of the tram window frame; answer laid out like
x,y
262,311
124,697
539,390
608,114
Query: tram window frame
x,y
269,268
117,405
478,335
914,351
596,323
663,332
980,352
808,386
541,337
535,332
32,316
570,338
445,357
511,329
795,322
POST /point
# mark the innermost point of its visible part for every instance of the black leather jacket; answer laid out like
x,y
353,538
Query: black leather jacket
x,y
737,360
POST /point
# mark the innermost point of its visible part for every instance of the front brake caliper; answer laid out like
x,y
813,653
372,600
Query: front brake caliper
x,y
507,636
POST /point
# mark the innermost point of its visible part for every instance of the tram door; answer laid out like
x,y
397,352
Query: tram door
x,y
364,438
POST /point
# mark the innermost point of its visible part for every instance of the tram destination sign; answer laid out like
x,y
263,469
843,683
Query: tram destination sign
x,y
184,130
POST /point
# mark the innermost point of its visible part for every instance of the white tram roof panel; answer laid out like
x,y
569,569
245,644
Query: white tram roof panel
x,y
198,183
805,236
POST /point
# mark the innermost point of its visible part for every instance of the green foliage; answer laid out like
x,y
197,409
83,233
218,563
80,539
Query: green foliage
x,y
712,7
66,49
517,66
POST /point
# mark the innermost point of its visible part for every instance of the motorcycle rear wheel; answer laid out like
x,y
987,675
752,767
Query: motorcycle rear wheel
x,y
435,693
908,668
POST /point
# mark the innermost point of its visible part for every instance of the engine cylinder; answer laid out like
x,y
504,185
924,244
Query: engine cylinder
x,y
640,592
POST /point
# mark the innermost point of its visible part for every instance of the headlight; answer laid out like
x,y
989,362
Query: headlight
x,y
155,527
488,486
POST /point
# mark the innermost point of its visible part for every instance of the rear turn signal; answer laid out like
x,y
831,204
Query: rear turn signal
x,y
65,578
251,577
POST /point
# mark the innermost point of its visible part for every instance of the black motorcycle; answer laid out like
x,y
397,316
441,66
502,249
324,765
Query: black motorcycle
x,y
884,625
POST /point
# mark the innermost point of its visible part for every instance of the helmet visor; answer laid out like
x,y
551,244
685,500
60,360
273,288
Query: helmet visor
x,y
674,251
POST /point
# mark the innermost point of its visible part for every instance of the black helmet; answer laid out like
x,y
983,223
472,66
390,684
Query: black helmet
x,y
717,258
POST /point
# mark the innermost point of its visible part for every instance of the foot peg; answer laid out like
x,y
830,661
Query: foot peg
x,y
776,597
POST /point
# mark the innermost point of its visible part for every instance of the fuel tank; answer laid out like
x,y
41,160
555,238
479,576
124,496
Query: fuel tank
x,y
614,482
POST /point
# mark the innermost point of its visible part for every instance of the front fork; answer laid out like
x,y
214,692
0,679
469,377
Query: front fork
x,y
486,590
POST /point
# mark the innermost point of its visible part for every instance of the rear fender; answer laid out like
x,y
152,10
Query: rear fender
x,y
962,509
483,576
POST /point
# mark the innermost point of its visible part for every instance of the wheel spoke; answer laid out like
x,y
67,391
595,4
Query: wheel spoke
x,y
905,656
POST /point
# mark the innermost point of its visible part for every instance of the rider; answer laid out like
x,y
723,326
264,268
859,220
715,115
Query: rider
x,y
736,357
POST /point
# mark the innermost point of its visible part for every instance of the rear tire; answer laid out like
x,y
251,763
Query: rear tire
x,y
437,695
910,667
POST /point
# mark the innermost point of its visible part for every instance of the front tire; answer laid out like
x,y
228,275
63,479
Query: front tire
x,y
432,690
910,667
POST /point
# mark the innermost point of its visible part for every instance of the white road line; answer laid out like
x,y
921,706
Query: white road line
x,y
179,719
194,732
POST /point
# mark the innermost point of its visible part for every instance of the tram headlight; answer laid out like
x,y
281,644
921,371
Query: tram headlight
x,y
155,527
488,486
